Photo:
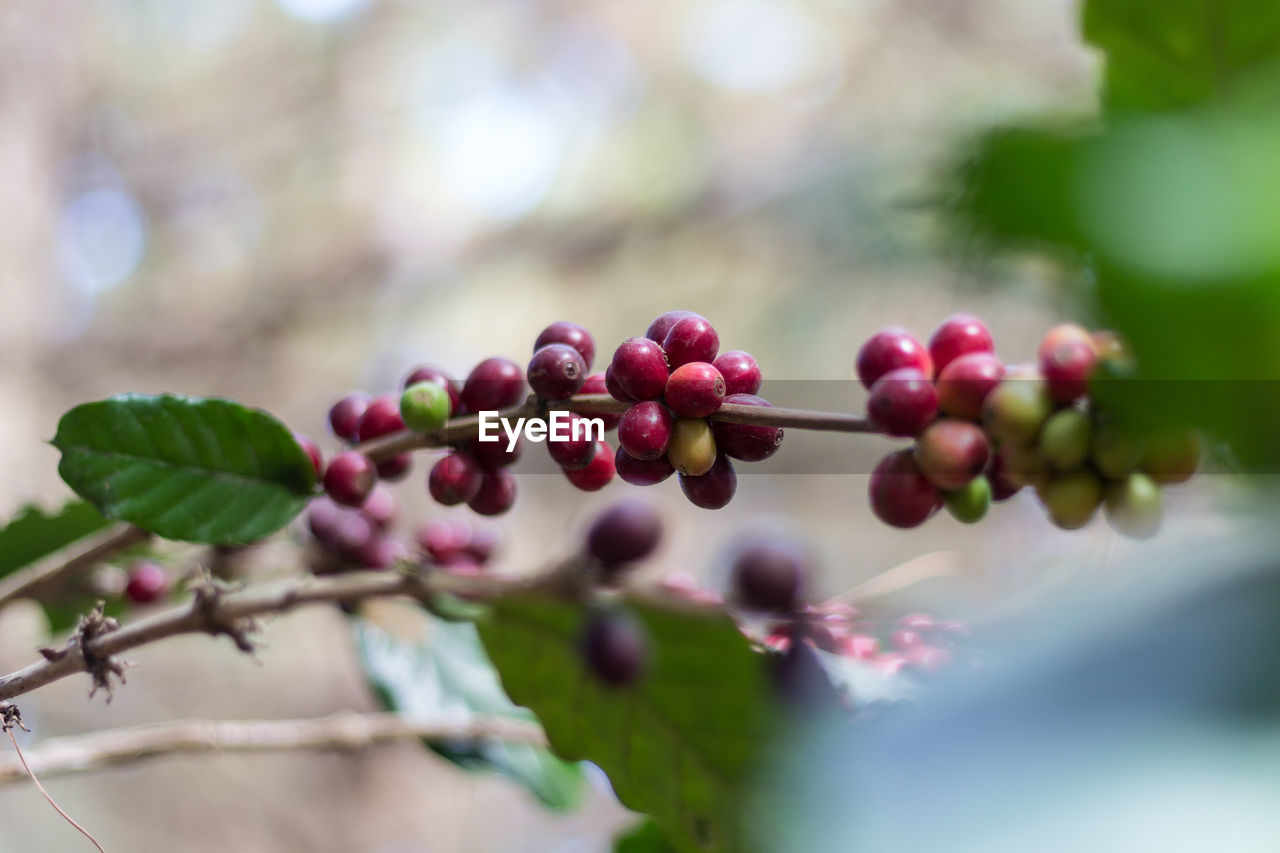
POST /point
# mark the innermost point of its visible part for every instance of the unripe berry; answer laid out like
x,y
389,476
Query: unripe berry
x,y
1064,439
657,331
902,402
349,478
1061,334
1171,456
147,583
428,373
891,349
491,455
743,441
639,369
425,406
965,383
380,507
642,472
691,339
958,336
313,453
694,390
714,489
692,450
598,473
493,384
970,503
483,542
382,417
951,453
597,384
1019,465
1114,451
1113,351
1135,506
1067,369
1072,499
571,334
740,371
614,648
345,415
556,372
1015,411
496,494
573,454
770,576
624,533
645,430
454,479
900,495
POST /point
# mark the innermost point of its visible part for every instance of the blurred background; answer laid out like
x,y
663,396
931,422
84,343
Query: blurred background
x,y
282,201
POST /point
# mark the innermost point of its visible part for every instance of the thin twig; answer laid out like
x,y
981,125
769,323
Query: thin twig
x,y
57,808
74,558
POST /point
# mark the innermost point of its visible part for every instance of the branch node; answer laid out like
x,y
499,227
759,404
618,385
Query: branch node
x,y
208,593
10,716
91,627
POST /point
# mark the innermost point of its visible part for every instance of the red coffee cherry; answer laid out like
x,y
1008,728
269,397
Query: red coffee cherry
x,y
430,373
443,539
902,402
658,329
313,453
957,336
691,339
323,516
965,383
645,430
496,495
740,371
349,478
380,507
494,454
900,495
382,417
714,489
345,415
770,576
563,332
1002,487
483,542
383,552
556,372
639,369
493,384
1067,368
615,390
597,384
891,349
642,472
395,468
598,473
741,441
147,583
624,533
614,648
951,453
694,390
455,479
1061,334
574,453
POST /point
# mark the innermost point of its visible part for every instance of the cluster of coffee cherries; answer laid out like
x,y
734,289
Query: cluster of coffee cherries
x,y
984,430
675,378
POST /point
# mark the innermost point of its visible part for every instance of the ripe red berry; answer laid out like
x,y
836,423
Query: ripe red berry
x,y
493,384
624,533
639,369
564,332
891,349
482,544
313,453
349,478
454,479
354,532
598,473
642,472
1002,487
1062,333
1066,369
597,383
691,339
395,468
496,494
645,430
951,453
694,390
740,371
957,336
345,415
965,383
770,576
614,648
902,402
380,418
380,507
714,489
322,520
442,539
611,385
657,331
494,454
556,372
573,453
382,552
428,373
147,583
745,442
900,495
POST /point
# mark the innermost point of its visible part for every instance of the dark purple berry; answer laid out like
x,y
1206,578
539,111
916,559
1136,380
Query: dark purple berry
x,y
494,454
323,516
770,576
694,390
598,472
639,369
657,331
714,489
493,384
645,430
900,495
454,479
615,390
395,468
573,453
745,442
380,507
572,334
556,372
624,533
691,339
382,417
345,415
598,383
496,495
382,552
614,648
642,472
147,583
349,478
740,371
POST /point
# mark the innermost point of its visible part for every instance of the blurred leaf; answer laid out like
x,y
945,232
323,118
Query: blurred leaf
x,y
645,837
446,675
201,470
33,533
681,745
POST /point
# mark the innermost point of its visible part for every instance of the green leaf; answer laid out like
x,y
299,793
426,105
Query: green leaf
x,y
645,837
446,675
681,745
33,533
202,470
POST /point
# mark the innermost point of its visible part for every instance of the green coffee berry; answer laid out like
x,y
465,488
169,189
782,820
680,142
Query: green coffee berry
x,y
424,406
1135,506
1072,499
1014,411
969,504
1064,439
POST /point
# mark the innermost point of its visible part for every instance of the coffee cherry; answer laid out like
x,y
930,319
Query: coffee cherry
x,y
1072,499
694,390
611,385
556,372
428,373
323,516
645,430
691,339
313,453
1067,369
1135,506
624,533
1064,439
740,371
349,478
1002,486
573,335
380,509
692,449
383,552
454,479
483,542
354,532
425,406
597,384
490,455
1171,456
345,415
642,472
147,583
1020,465
969,504
900,495
443,539
891,349
657,331
395,468
770,576
1015,410
1061,334
614,648
574,453
965,383
493,384
497,493
902,402
639,369
745,442
959,335
952,453
382,417
714,489
598,472
1113,351
1114,451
